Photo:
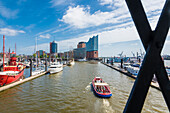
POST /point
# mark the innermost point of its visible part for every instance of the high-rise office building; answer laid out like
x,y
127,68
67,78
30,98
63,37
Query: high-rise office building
x,y
53,47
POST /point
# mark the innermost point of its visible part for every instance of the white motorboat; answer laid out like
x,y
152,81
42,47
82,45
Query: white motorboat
x,y
133,70
55,67
37,71
71,63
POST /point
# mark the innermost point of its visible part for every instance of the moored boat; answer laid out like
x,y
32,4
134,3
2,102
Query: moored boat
x,y
55,67
101,89
11,73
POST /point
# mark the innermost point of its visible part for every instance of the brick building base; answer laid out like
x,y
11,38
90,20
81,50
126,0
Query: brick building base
x,y
92,54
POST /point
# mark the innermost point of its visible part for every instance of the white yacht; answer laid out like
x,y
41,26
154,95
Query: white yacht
x,y
133,70
55,67
37,71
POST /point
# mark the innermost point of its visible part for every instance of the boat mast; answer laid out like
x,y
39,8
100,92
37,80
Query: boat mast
x,y
3,52
36,51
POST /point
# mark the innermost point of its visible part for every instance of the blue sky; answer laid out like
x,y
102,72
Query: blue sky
x,y
71,21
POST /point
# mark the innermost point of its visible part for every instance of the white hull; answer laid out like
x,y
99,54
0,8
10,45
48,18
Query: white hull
x,y
55,68
36,72
132,70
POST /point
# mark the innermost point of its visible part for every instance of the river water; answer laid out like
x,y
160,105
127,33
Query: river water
x,y
70,91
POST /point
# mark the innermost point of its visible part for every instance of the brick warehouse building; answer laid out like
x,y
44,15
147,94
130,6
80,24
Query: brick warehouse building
x,y
92,48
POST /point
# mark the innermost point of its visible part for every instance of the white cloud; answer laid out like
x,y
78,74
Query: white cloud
x,y
10,32
59,2
106,2
45,36
80,17
30,26
105,37
7,13
152,7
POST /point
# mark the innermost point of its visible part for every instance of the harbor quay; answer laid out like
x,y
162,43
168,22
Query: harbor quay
x,y
100,56
74,81
70,91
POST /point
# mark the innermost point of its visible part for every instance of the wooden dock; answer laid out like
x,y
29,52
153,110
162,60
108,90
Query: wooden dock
x,y
153,84
22,81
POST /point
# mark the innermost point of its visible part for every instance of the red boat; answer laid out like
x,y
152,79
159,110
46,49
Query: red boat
x,y
13,72
101,89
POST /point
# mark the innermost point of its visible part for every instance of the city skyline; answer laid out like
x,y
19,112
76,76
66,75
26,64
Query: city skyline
x,y
74,21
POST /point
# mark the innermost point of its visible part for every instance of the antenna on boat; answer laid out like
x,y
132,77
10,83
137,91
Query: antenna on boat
x,y
3,52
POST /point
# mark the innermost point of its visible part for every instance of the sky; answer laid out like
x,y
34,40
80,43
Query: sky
x,y
71,21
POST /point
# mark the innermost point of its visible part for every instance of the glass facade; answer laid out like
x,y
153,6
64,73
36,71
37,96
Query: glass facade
x,y
79,53
53,47
92,44
40,52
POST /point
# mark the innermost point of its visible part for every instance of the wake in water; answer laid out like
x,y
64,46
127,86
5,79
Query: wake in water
x,y
87,88
107,108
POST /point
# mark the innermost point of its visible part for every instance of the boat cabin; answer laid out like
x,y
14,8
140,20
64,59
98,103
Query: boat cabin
x,y
102,87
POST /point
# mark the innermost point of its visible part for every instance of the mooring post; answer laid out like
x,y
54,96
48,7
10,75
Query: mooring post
x,y
45,63
107,60
111,61
30,67
121,65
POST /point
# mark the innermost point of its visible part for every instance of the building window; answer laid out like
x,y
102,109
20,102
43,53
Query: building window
x,y
94,52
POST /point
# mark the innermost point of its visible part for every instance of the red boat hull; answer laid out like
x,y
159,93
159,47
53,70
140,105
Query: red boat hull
x,y
99,94
7,79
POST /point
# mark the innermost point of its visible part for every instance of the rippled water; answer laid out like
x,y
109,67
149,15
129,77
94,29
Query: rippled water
x,y
70,91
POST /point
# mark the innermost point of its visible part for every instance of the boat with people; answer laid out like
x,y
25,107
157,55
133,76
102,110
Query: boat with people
x,y
100,88
55,67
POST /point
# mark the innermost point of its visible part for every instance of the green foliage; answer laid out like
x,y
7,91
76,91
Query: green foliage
x,y
34,55
44,55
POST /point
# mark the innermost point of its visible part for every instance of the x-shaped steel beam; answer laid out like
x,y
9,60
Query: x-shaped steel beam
x,y
153,42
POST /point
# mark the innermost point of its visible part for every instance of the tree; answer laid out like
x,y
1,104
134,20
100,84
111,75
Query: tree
x,y
44,55
34,55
